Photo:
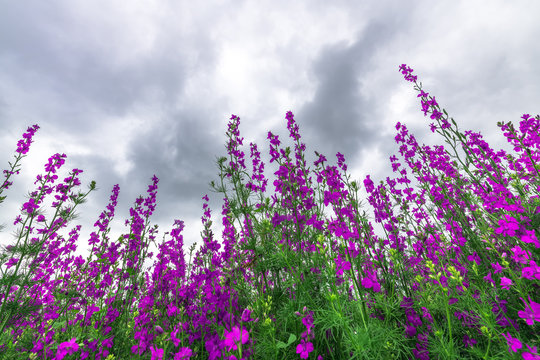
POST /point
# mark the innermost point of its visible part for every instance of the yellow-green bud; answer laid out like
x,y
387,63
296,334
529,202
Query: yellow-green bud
x,y
267,226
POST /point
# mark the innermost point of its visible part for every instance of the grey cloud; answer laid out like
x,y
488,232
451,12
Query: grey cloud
x,y
35,46
338,118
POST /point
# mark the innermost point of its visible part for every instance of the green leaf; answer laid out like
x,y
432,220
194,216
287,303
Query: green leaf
x,y
131,271
61,296
292,338
261,209
102,258
57,325
282,345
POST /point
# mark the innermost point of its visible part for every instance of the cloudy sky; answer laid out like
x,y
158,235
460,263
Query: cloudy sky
x,y
129,89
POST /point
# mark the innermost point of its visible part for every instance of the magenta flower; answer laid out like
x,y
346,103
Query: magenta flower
x,y
489,278
24,145
184,354
370,281
341,265
533,355
530,238
308,319
531,313
506,283
246,315
11,262
507,227
174,339
531,272
497,267
304,349
30,206
426,314
65,348
231,338
513,343
410,330
468,341
519,255
368,184
157,354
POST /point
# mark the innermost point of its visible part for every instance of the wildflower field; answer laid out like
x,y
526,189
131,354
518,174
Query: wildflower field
x,y
455,277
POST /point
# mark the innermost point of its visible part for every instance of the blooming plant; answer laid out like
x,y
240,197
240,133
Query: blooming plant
x,y
455,277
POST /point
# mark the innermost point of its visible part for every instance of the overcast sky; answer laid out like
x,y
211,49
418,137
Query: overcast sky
x,y
129,89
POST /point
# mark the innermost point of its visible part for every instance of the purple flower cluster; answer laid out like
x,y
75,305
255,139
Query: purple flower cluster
x,y
456,274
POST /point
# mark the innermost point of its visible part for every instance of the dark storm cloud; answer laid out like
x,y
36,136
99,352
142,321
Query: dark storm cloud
x,y
183,162
338,118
